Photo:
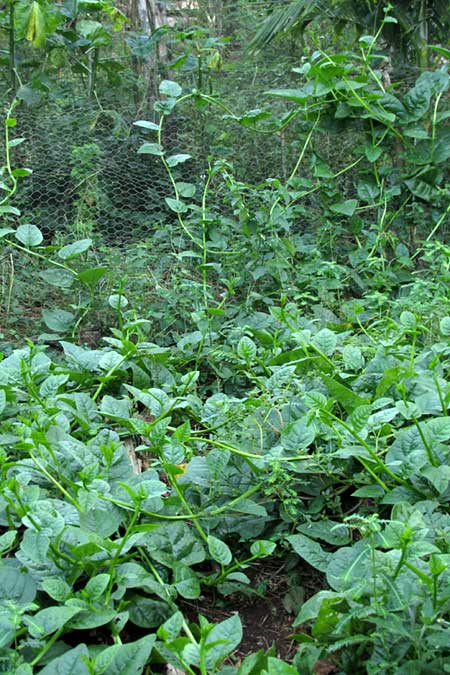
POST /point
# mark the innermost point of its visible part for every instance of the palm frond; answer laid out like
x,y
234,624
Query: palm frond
x,y
283,20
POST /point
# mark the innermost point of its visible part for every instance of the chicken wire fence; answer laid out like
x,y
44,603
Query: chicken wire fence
x,y
89,181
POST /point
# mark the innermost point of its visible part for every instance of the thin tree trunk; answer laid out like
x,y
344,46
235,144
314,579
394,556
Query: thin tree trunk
x,y
423,36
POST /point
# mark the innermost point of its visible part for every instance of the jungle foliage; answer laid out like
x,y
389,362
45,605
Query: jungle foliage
x,y
269,377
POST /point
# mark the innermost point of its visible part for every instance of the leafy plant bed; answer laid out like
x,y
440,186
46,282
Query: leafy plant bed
x,y
320,488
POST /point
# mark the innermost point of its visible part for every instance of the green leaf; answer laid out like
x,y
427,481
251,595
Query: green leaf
x,y
352,357
72,662
50,619
92,276
174,160
246,349
4,231
96,586
408,320
72,250
117,301
186,190
35,28
311,608
151,149
309,550
151,126
373,152
444,326
277,667
92,618
186,581
125,659
116,408
172,543
176,205
262,548
58,320
219,551
222,639
58,277
346,208
296,95
326,341
298,435
9,209
29,235
343,395
170,88
57,589
16,586
171,628
350,566
148,613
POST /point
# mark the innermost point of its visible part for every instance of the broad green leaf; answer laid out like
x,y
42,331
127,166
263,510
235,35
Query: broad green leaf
x,y
77,248
9,210
310,609
151,149
296,95
125,659
309,550
352,357
343,395
246,349
29,235
373,152
176,205
151,126
186,581
96,586
327,530
350,566
115,408
346,208
172,543
278,667
16,586
92,618
326,341
222,639
57,589
170,88
219,551
172,627
444,326
408,320
2,400
58,320
148,613
298,435
8,538
72,662
117,301
4,231
186,190
58,277
174,160
262,548
359,417
50,619
15,142
92,276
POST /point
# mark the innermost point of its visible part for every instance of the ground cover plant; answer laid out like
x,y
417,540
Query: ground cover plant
x,y
258,399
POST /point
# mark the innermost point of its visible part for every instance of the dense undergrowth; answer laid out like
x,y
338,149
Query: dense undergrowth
x,y
278,392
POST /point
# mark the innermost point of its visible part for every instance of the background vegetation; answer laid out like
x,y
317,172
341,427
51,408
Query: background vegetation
x,y
225,337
